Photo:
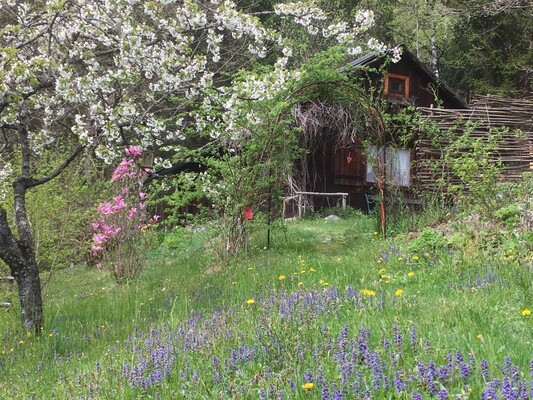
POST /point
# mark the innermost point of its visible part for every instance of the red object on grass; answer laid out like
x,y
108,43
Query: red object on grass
x,y
248,213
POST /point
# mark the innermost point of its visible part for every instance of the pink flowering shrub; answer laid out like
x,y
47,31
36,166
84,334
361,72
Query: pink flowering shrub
x,y
119,232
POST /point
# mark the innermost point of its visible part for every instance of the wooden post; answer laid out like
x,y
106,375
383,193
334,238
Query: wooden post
x,y
343,202
300,205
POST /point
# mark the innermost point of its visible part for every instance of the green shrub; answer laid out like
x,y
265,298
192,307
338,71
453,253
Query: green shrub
x,y
509,215
428,243
61,213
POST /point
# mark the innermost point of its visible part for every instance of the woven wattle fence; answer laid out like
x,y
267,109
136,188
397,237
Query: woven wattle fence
x,y
513,118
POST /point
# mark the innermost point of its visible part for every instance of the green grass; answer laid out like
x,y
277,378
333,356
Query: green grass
x,y
186,302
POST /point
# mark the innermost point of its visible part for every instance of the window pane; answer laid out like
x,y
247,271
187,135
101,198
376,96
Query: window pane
x,y
398,165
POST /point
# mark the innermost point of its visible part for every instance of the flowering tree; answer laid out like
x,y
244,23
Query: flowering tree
x,y
118,240
103,74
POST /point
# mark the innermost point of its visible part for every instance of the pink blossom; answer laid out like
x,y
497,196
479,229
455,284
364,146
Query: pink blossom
x,y
108,230
132,213
133,151
122,170
99,238
105,208
95,225
155,218
99,265
96,249
143,196
120,203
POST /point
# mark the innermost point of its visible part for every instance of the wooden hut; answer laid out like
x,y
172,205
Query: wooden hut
x,y
336,167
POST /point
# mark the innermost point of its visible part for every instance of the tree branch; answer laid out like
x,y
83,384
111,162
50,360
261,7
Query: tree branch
x,y
36,182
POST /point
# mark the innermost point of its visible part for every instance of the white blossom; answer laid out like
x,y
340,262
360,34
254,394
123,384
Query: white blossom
x,y
119,68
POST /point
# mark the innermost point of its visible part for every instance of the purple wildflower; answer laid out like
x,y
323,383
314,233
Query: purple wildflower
x,y
412,337
507,366
465,371
308,376
444,373
398,338
443,394
485,369
319,375
292,385
325,393
398,382
508,391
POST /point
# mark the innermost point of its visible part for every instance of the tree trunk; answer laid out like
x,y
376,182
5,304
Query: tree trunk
x,y
19,255
31,303
23,266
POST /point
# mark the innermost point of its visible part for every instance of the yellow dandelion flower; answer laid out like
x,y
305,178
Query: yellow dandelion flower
x,y
398,292
308,386
250,268
303,271
339,259
479,337
321,281
400,258
281,277
325,284
21,341
300,283
367,292
250,301
312,269
414,258
379,261
234,283
383,277
376,233
382,270
526,312
51,334
410,274
28,334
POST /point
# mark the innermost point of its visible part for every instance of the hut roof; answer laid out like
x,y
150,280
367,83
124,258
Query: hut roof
x,y
376,59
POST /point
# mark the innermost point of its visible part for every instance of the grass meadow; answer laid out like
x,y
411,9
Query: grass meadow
x,y
330,311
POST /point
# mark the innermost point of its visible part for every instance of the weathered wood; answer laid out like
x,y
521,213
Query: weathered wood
x,y
512,117
322,194
300,195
